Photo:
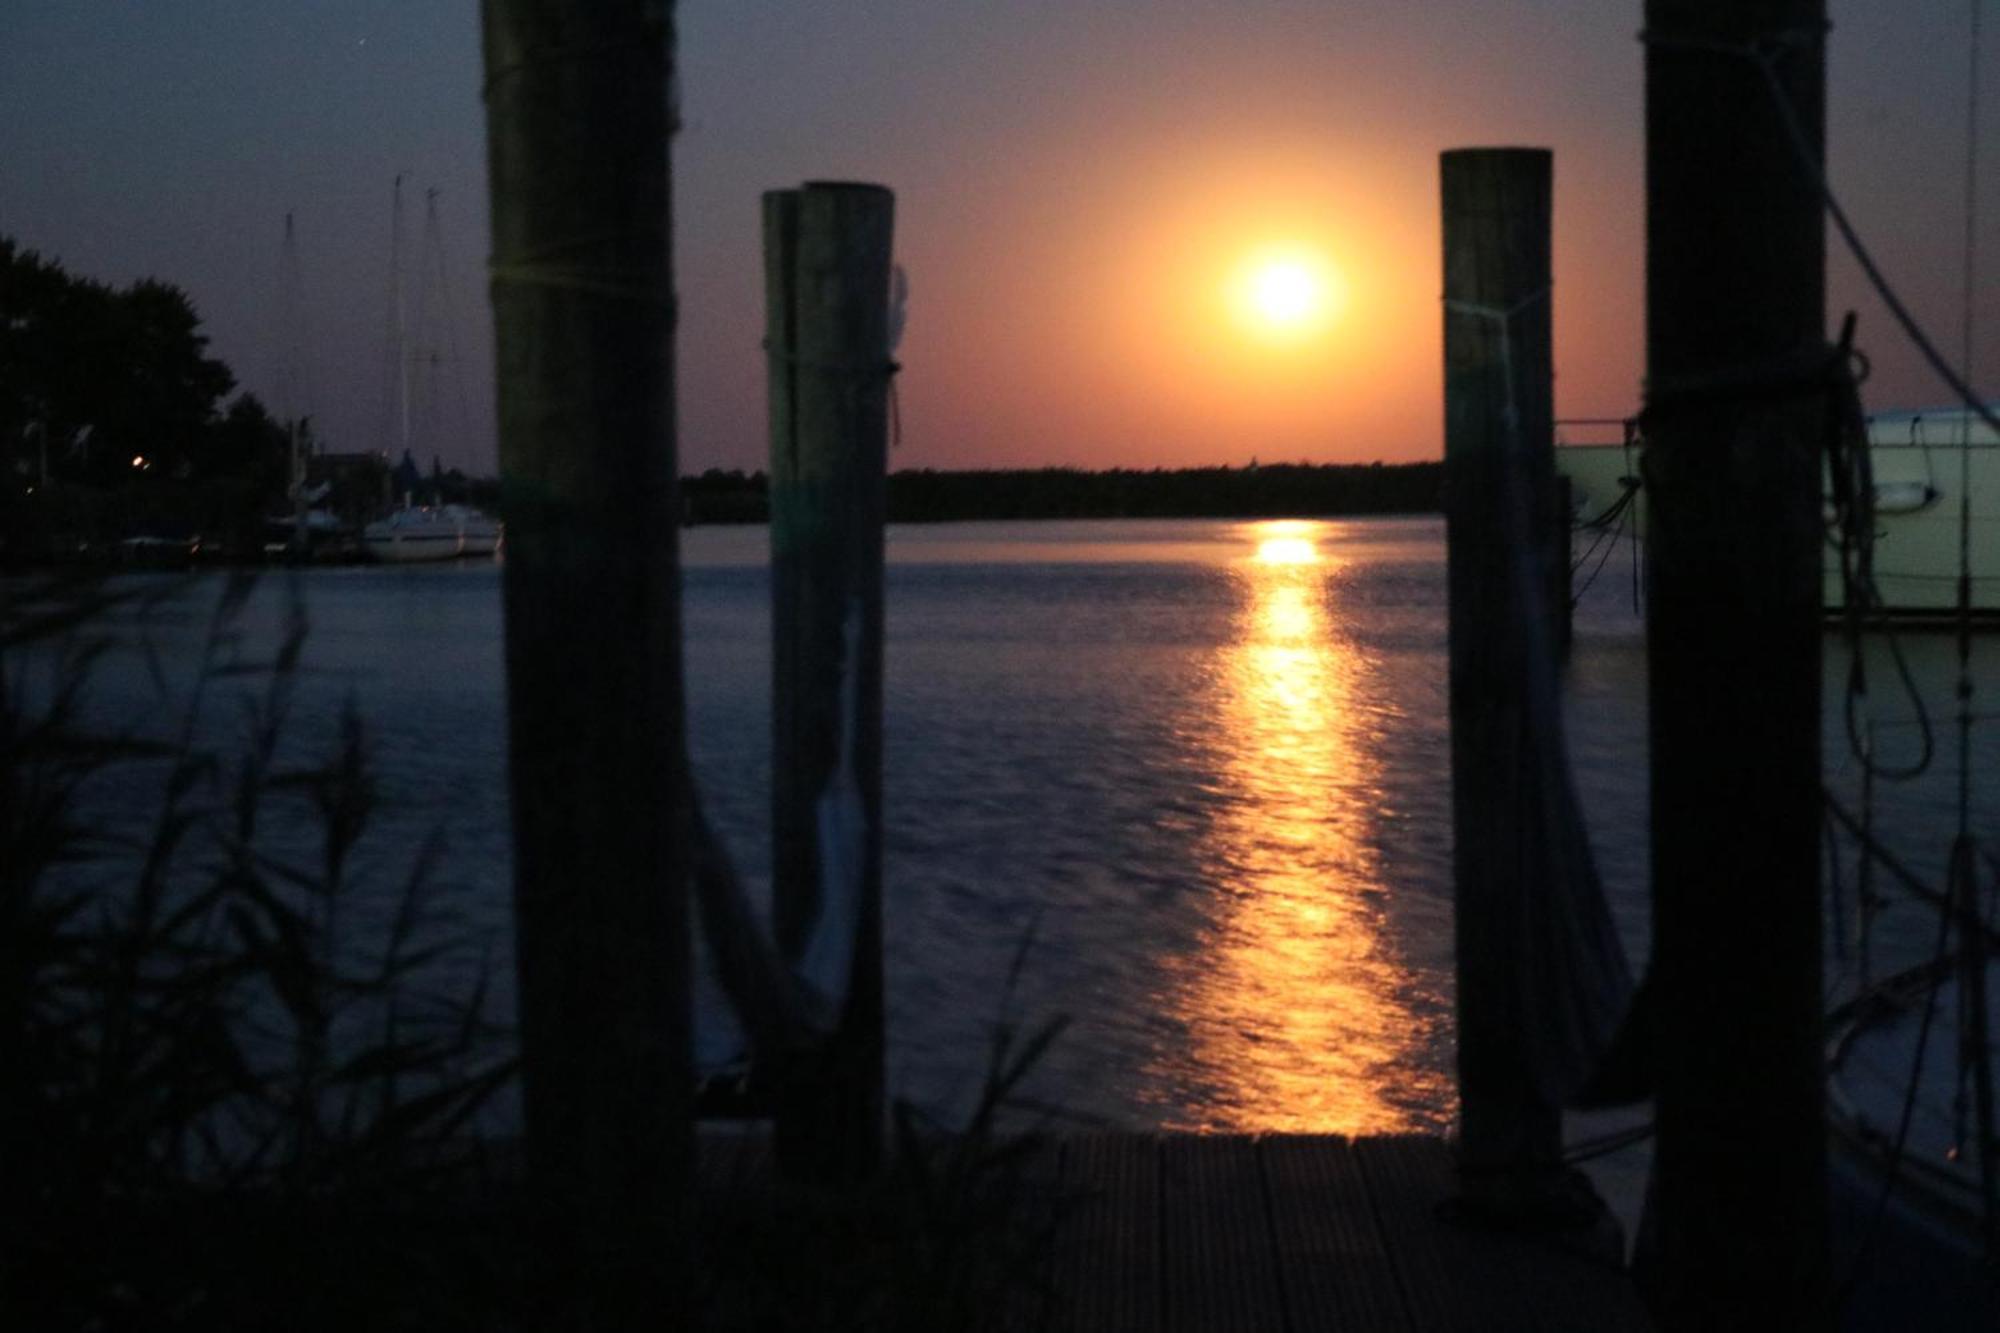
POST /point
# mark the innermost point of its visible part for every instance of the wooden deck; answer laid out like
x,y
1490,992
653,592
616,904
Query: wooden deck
x,y
1213,1234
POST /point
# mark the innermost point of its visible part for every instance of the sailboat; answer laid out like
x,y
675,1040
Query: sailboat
x,y
434,530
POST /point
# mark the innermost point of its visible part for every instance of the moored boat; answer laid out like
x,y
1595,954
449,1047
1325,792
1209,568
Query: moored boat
x,y
432,532
1924,463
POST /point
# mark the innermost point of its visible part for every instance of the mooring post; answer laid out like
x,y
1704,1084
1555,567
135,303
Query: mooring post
x,y
1499,477
577,137
827,270
1737,392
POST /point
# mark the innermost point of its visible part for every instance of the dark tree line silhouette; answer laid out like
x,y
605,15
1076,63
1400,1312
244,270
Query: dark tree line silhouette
x,y
114,419
1283,490
104,375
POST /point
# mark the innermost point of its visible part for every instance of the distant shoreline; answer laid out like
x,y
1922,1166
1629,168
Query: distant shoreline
x,y
168,525
1275,490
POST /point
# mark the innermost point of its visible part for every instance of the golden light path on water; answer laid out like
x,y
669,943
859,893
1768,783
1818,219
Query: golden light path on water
x,y
1295,1002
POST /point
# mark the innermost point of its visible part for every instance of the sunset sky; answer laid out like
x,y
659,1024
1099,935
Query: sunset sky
x,y
1085,190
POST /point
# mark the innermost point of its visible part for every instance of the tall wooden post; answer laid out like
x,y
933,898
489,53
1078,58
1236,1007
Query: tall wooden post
x,y
827,266
1499,470
577,138
1735,400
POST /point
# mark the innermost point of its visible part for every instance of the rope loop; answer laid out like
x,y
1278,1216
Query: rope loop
x,y
860,370
613,284
1502,315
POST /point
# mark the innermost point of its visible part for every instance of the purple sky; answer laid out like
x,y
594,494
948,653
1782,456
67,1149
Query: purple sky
x,y
1072,179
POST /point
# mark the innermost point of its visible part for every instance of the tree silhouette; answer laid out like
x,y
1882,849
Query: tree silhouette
x,y
101,376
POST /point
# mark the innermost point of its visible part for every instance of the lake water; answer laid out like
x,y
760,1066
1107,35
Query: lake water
x,y
1204,762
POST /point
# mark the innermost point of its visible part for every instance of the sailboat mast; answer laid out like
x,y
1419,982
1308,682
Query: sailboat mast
x,y
432,313
288,378
402,320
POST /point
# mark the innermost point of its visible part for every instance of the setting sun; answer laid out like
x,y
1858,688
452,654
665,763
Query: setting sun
x,y
1286,293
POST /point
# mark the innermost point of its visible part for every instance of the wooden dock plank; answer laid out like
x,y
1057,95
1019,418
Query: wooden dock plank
x,y
1332,1265
1448,1282
1463,1280
1297,1233
1029,1265
1107,1261
1220,1261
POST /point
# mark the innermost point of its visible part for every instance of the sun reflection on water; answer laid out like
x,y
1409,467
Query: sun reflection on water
x,y
1284,545
1295,1005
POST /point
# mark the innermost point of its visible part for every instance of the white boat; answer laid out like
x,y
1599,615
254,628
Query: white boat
x,y
1923,462
432,532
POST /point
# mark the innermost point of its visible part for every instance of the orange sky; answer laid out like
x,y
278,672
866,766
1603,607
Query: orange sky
x,y
1076,186
1070,247
1075,182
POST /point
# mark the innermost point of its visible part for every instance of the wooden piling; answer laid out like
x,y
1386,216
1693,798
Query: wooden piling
x,y
578,113
1736,399
1499,470
827,268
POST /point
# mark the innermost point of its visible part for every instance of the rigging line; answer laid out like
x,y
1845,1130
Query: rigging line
x,y
1974,1066
1763,56
1613,512
1873,611
1816,171
1965,429
1613,533
1975,1062
1965,432
1851,472
1900,1146
1902,874
1598,530
1637,591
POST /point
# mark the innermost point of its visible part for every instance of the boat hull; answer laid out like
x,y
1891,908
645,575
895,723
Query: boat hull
x,y
1923,465
414,536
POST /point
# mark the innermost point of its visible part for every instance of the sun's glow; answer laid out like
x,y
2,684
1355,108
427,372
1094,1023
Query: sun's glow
x,y
1286,293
